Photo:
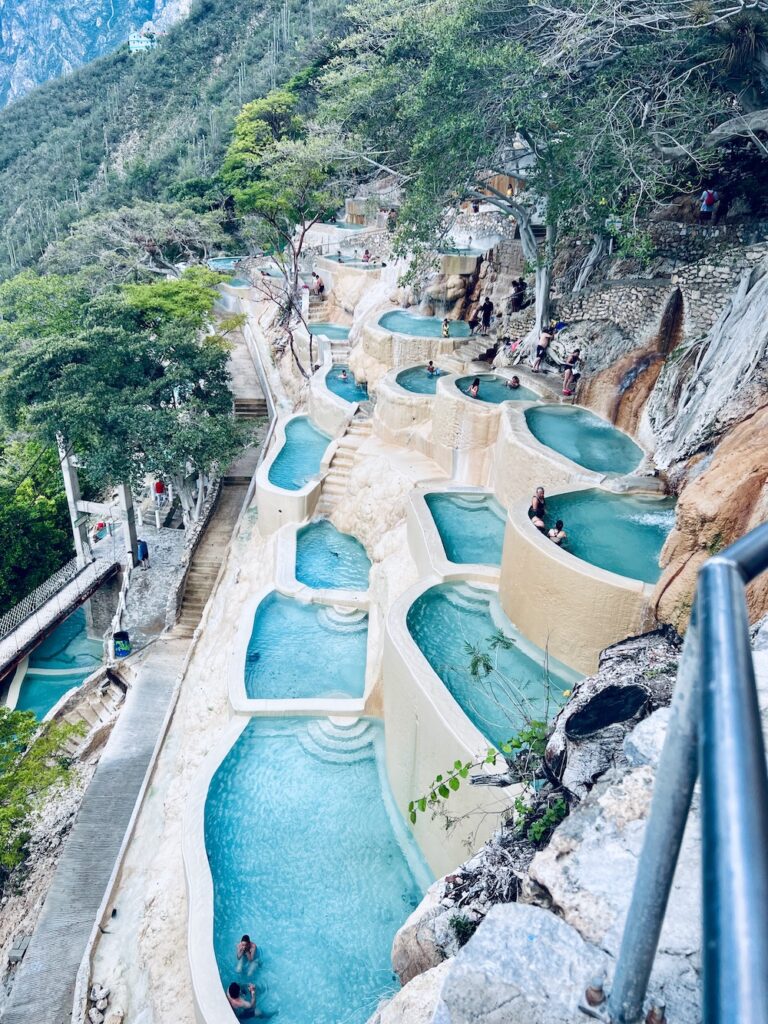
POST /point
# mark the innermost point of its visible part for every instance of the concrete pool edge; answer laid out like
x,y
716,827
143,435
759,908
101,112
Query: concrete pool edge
x,y
329,411
426,543
568,606
425,731
277,505
242,704
285,572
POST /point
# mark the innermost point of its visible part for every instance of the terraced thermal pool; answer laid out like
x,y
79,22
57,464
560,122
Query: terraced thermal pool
x,y
309,855
299,650
618,532
401,322
336,332
417,380
524,684
347,389
225,263
300,457
62,661
471,526
494,389
326,558
586,439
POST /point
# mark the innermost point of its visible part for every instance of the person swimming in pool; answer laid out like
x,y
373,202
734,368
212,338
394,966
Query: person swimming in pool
x,y
474,388
432,370
557,534
537,509
243,1009
513,383
245,951
446,329
343,375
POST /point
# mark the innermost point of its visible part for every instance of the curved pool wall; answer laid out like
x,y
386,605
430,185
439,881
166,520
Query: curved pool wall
x,y
593,608
413,325
327,559
402,417
520,463
464,431
332,960
302,653
426,731
387,350
426,543
584,438
526,684
287,583
329,411
418,381
493,389
279,505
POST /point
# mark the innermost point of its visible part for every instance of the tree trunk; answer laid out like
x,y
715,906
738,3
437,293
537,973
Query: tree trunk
x,y
596,253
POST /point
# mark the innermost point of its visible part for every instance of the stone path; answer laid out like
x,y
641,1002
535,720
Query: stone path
x,y
43,985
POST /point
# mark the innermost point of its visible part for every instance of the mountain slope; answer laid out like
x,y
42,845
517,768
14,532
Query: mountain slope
x,y
130,127
42,39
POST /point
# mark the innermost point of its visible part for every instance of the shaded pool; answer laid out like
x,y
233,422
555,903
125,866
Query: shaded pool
x,y
309,855
471,526
300,650
589,440
618,532
62,661
347,389
448,620
225,262
238,282
300,457
417,380
400,321
336,332
493,389
327,558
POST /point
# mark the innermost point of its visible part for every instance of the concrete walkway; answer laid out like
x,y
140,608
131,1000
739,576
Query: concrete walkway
x,y
43,984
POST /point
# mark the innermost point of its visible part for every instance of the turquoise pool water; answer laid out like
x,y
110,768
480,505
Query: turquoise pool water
x,y
300,457
336,332
327,558
417,380
421,326
584,438
310,857
347,389
238,282
618,532
447,618
302,650
493,389
461,252
355,261
471,526
62,661
225,262
342,225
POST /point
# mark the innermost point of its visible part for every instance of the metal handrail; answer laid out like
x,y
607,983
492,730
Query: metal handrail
x,y
36,598
714,733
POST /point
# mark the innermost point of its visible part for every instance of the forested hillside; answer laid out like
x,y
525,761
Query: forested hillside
x,y
42,39
128,127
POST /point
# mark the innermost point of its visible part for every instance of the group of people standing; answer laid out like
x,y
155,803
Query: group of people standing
x,y
572,367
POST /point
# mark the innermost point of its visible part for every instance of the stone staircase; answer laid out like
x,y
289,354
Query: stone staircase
x,y
250,408
209,556
337,477
339,742
470,352
97,709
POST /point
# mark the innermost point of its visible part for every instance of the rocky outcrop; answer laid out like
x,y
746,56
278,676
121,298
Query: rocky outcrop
x,y
635,678
726,497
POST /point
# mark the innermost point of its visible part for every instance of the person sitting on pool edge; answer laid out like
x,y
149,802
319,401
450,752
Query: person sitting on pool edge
x,y
474,388
513,383
243,1009
432,370
537,510
557,534
446,329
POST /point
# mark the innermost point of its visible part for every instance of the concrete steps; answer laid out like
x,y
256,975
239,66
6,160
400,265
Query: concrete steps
x,y
99,708
337,743
250,408
337,478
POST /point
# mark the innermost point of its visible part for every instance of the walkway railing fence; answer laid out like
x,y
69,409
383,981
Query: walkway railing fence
x,y
715,735
38,597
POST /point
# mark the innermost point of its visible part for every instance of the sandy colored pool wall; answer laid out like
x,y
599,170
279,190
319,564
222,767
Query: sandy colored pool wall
x,y
562,603
328,411
425,732
427,547
382,351
521,463
278,506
